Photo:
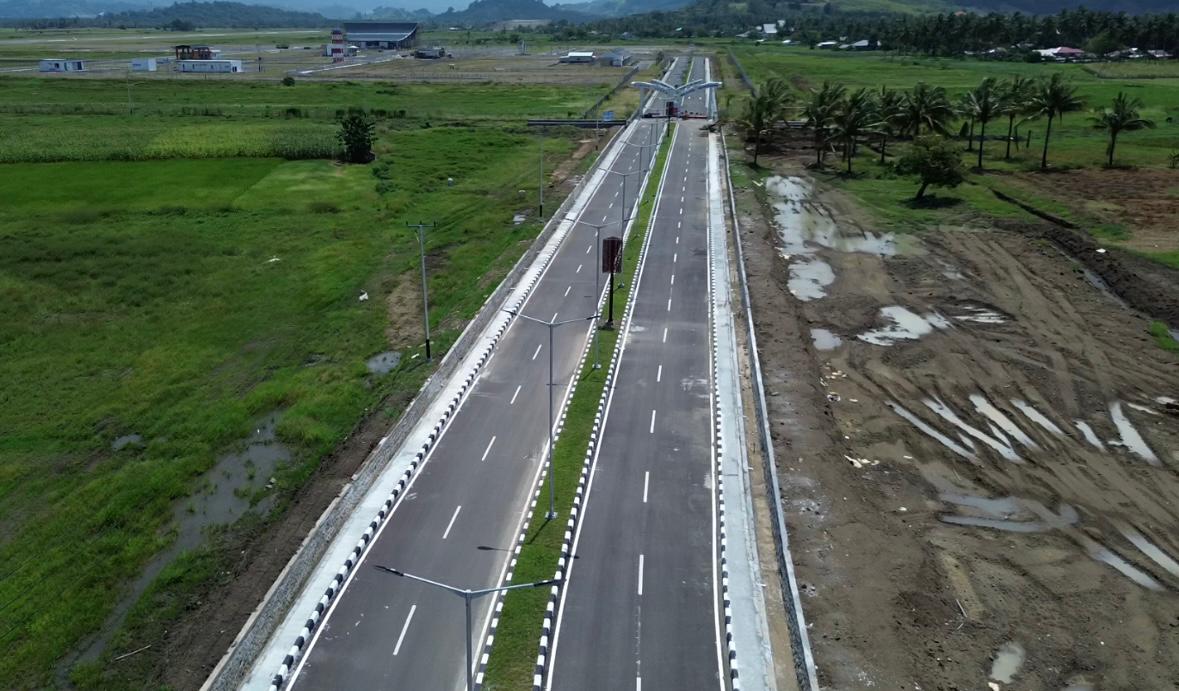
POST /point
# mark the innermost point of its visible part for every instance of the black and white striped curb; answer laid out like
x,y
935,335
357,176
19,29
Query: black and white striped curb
x,y
354,557
543,657
804,660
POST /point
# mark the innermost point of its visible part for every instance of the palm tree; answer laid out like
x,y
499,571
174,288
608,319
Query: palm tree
x,y
1122,117
890,109
963,110
983,104
1013,102
820,112
1053,98
927,107
763,110
854,118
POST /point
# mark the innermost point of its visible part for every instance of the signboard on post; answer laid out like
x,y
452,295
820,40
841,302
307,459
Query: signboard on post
x,y
612,255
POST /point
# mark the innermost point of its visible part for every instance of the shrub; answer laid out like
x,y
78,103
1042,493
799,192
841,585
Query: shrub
x,y
288,80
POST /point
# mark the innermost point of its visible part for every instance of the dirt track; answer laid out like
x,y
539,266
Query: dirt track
x,y
967,490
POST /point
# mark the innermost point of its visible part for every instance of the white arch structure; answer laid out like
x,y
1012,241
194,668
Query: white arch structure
x,y
676,94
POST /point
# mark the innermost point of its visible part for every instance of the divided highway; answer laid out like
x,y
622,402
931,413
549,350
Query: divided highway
x,y
640,608
459,518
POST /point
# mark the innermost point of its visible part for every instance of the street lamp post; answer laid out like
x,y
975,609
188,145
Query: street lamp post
x,y
552,325
625,180
467,595
425,291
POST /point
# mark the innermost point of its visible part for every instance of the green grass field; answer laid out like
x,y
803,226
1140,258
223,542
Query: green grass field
x,y
180,299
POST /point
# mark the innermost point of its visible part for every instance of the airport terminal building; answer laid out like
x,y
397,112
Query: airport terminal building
x,y
381,35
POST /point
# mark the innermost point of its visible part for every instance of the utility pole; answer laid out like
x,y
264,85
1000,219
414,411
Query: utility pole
x,y
421,228
467,595
540,187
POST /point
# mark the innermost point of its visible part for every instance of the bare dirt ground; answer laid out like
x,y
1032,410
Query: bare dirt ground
x,y
1145,200
980,480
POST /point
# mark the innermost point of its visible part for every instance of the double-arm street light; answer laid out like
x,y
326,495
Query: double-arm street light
x,y
467,595
552,325
625,180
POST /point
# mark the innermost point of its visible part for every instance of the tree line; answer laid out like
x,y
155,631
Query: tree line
x,y
932,34
840,120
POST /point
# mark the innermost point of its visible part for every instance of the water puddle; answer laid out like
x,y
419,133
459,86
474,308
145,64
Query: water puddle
x,y
997,442
1130,438
905,326
809,279
805,227
1036,416
980,315
1135,574
1008,659
984,406
383,363
1089,435
1099,283
226,494
825,340
950,271
1148,548
125,441
965,450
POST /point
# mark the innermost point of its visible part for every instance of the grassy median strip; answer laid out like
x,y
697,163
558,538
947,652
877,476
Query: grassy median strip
x,y
513,657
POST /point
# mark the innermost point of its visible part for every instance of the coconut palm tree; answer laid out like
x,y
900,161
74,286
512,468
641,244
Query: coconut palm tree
x,y
962,109
890,111
855,117
1013,102
983,104
763,110
1122,117
820,112
927,108
1053,98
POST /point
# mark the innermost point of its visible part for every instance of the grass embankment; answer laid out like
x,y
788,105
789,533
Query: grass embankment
x,y
1162,337
88,119
513,657
180,300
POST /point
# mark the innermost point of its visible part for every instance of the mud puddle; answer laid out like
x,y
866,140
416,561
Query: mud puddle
x,y
1008,659
383,363
903,325
227,492
825,339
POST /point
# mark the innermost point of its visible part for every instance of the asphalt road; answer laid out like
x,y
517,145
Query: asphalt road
x,y
461,515
640,607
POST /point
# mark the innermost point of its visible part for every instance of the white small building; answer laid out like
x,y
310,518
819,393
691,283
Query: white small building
x,y
143,65
62,65
576,56
207,66
769,29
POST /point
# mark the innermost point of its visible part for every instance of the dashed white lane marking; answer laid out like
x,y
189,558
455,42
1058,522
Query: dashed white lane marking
x,y
668,304
659,374
567,291
681,211
578,269
674,256
488,449
554,316
611,206
677,239
589,248
452,519
681,199
646,484
538,347
678,225
652,429
640,574
404,628
665,334
638,684
604,217
513,401
673,279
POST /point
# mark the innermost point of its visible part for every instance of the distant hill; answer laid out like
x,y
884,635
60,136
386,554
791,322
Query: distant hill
x,y
482,12
620,8
27,9
180,16
400,14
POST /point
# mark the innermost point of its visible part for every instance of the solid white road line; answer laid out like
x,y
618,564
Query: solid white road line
x,y
659,374
665,334
488,449
567,291
638,684
513,401
640,574
646,484
538,347
404,628
451,524
652,430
